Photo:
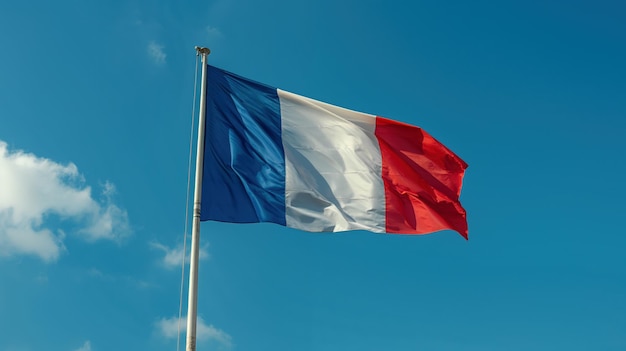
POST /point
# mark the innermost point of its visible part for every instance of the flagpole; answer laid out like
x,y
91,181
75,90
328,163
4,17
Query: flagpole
x,y
192,300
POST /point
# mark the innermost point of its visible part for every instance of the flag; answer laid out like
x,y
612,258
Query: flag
x,y
274,156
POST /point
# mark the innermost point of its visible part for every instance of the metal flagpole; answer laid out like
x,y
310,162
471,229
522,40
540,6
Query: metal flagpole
x,y
192,300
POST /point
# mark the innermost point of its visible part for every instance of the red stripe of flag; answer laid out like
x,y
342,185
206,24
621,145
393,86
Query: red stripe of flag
x,y
422,179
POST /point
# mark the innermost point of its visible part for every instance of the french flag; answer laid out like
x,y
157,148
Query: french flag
x,y
274,156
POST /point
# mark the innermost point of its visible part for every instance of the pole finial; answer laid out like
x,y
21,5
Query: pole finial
x,y
202,50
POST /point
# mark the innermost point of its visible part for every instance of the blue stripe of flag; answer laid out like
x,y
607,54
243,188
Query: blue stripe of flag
x,y
244,162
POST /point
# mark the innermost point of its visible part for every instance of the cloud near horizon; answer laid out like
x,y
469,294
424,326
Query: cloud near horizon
x,y
168,328
37,195
86,346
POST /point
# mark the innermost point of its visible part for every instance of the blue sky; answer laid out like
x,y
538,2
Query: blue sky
x,y
95,109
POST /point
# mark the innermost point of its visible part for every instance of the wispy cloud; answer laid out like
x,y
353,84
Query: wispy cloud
x,y
111,221
35,191
213,32
86,346
41,279
173,256
168,328
119,279
157,52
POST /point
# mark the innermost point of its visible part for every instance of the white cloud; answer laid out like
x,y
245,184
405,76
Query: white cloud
x,y
168,328
86,346
173,256
36,191
110,222
156,52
